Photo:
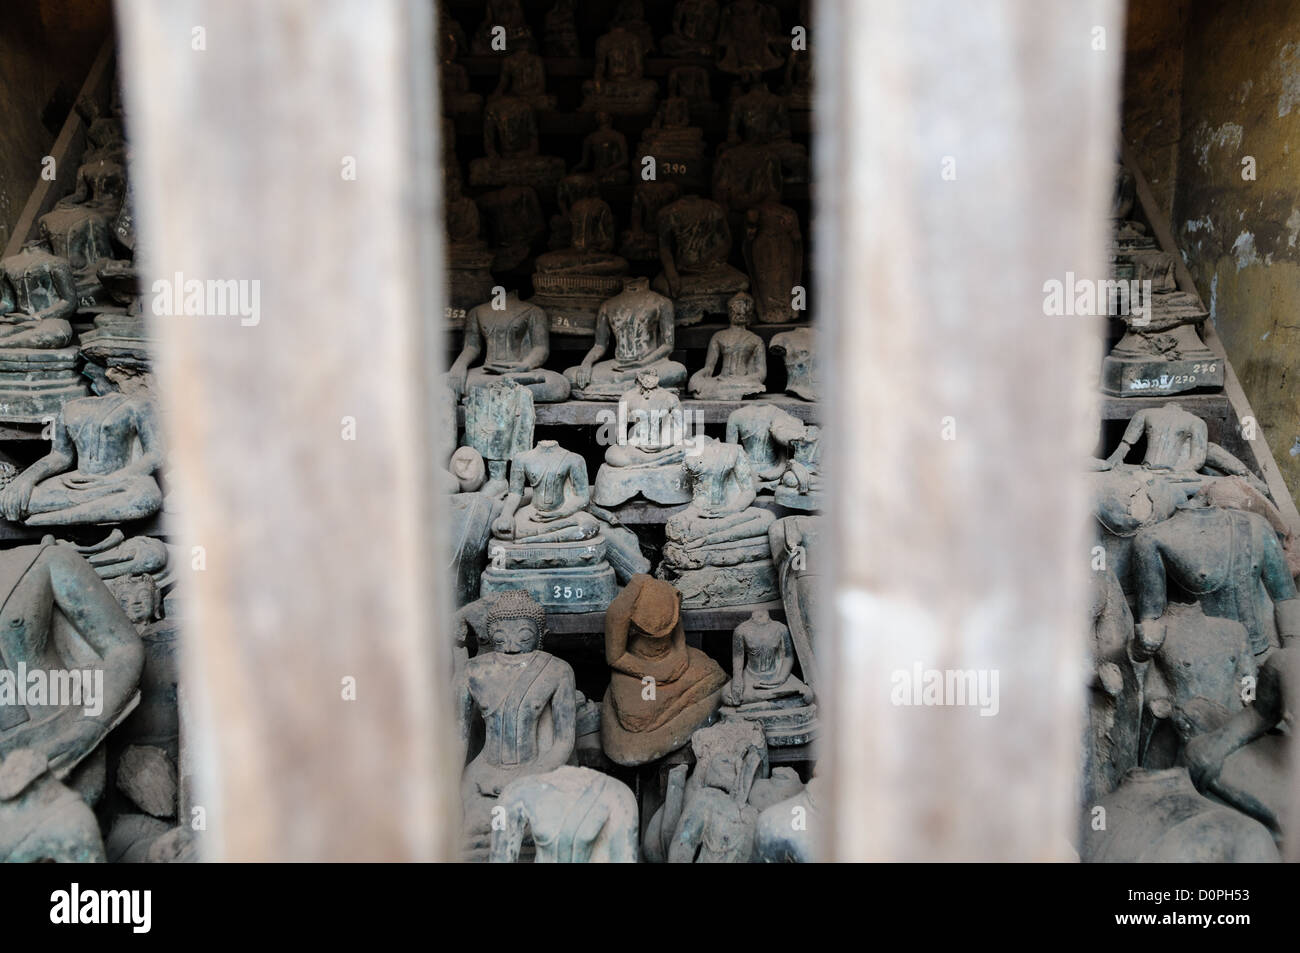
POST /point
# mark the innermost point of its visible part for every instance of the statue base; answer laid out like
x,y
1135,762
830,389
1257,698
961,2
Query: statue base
x,y
786,721
714,587
571,301
561,577
540,172
35,383
1145,377
792,499
666,485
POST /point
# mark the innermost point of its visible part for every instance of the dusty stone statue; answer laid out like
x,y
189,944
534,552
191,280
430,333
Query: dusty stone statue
x,y
560,37
694,244
523,75
760,118
604,153
710,816
512,148
522,700
513,224
717,551
788,831
660,690
499,421
571,283
694,84
649,461
575,816
79,229
515,342
506,14
695,26
38,356
765,431
794,542
550,547
41,819
640,240
640,321
763,686
104,456
619,85
749,36
1111,734
469,260
676,146
798,348
774,256
735,365
454,91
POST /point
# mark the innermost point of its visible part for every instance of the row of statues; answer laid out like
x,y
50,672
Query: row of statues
x,y
1194,614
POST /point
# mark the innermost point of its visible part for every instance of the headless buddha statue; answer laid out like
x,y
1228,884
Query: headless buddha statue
x,y
649,460
104,456
619,85
41,819
38,359
774,256
79,228
695,25
735,366
469,261
660,689
676,146
694,244
760,118
512,148
641,324
523,74
499,422
765,431
575,815
641,238
763,686
524,699
513,224
515,342
571,283
717,551
749,33
798,348
560,36
507,15
550,546
604,153
779,841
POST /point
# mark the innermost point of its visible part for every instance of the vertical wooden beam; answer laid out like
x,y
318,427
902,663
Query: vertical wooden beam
x,y
300,442
966,553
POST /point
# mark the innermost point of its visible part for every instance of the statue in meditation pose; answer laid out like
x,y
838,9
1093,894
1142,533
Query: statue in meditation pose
x,y
104,456
520,701
749,34
676,146
763,686
79,229
513,150
523,74
640,240
507,15
660,689
550,546
649,460
694,244
761,119
798,348
641,323
604,153
717,551
571,283
774,256
695,25
514,342
575,816
619,85
736,363
38,356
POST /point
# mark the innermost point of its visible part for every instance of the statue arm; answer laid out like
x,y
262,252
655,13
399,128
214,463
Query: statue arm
x,y
581,495
616,623
508,840
786,668
1132,434
464,706
737,666
1149,576
471,348
667,334
65,286
15,498
539,332
710,362
1279,585
600,344
151,445
504,525
759,362
8,297
1205,753
564,716
666,255
1200,435
747,488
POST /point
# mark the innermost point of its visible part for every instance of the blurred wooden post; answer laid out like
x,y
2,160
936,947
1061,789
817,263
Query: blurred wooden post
x,y
292,144
964,157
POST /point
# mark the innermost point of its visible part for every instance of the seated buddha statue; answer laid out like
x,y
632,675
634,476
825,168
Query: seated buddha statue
x,y
797,83
575,816
774,256
746,175
454,91
749,34
798,348
469,261
647,457
761,118
676,146
640,321
513,225
765,432
694,245
720,528
763,686
38,355
549,545
79,228
520,701
695,26
514,342
660,689
560,30
104,457
523,74
640,241
604,153
695,85
504,28
572,188
619,85
513,150
570,283
735,365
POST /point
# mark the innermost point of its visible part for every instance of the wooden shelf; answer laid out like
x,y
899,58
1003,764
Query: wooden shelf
x,y
645,513
694,620
592,413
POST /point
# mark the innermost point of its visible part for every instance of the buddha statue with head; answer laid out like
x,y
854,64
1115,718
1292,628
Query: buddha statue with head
x,y
763,686
469,260
695,26
694,245
640,241
640,322
749,34
619,85
513,337
717,551
604,153
454,92
735,365
676,146
504,29
760,118
79,228
560,30
647,456
660,690
516,704
523,75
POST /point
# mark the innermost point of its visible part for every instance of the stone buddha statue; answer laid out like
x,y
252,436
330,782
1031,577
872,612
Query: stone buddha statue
x,y
560,30
695,85
649,461
759,117
1111,736
105,134
778,840
763,686
104,458
735,365
660,690
523,74
604,153
499,421
694,245
798,348
641,238
717,551
523,699
575,816
766,432
514,342
748,36
455,93
38,357
58,616
619,85
774,257
798,80
513,223
640,321
41,819
469,260
572,188
571,283
550,546
676,146
513,150
79,228
695,25
507,14
630,15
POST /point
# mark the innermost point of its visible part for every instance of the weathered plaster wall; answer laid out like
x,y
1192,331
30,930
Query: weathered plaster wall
x,y
46,47
1241,107
1153,89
